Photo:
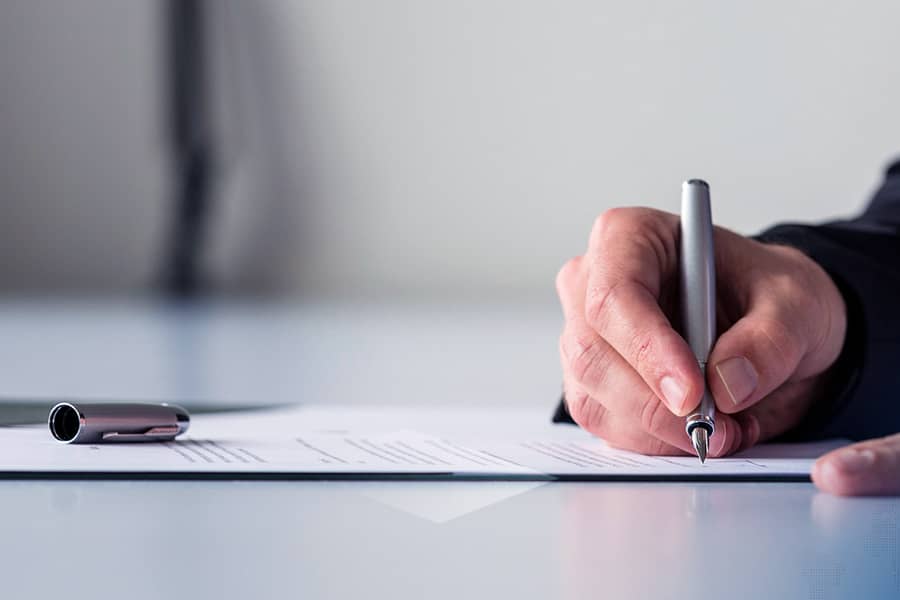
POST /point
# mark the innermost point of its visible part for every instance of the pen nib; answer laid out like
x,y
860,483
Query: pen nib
x,y
700,440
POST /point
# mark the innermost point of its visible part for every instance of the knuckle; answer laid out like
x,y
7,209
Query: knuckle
x,y
610,220
652,415
600,302
576,399
629,219
585,411
591,362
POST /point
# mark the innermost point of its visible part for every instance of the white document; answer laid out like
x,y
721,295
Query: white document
x,y
318,443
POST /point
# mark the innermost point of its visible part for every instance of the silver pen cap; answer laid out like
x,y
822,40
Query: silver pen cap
x,y
89,423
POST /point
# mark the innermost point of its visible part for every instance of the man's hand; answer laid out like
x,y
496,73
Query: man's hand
x,y
629,376
870,467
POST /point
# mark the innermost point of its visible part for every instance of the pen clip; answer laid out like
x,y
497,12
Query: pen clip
x,y
153,432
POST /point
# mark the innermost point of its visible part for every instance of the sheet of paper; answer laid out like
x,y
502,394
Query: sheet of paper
x,y
319,442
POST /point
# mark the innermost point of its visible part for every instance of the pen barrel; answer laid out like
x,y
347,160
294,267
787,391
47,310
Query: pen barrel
x,y
698,272
87,423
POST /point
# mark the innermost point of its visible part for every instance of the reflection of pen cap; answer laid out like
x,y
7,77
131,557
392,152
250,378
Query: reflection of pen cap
x,y
72,423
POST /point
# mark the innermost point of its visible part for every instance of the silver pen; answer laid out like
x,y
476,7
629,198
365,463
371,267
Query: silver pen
x,y
90,423
698,300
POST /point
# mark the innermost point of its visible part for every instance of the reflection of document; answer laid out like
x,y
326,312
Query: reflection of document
x,y
318,443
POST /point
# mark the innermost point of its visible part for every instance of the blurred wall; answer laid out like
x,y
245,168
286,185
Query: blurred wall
x,y
432,148
81,171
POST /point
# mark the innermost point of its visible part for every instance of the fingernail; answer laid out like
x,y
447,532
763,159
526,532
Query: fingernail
x,y
739,378
853,460
673,393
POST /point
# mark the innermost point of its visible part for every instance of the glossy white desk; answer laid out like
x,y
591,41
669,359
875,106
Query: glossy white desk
x,y
372,539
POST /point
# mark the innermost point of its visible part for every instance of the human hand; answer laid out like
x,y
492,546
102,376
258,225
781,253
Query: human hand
x,y
630,378
868,468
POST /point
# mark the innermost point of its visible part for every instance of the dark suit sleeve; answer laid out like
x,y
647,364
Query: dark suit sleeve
x,y
862,255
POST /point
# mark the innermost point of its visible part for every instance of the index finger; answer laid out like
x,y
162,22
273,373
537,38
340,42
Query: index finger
x,y
632,254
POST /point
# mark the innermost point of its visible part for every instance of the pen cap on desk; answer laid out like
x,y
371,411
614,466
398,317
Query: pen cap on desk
x,y
80,423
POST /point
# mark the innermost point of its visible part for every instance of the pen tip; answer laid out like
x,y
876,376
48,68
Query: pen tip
x,y
700,441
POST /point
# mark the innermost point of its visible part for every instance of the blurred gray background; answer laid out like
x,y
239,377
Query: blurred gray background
x,y
428,149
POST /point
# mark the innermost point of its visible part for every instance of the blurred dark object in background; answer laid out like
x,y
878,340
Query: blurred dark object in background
x,y
192,143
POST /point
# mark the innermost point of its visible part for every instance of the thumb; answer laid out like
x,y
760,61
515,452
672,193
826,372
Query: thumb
x,y
753,358
867,468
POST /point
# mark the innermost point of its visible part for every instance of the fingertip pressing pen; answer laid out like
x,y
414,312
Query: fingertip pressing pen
x,y
698,300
